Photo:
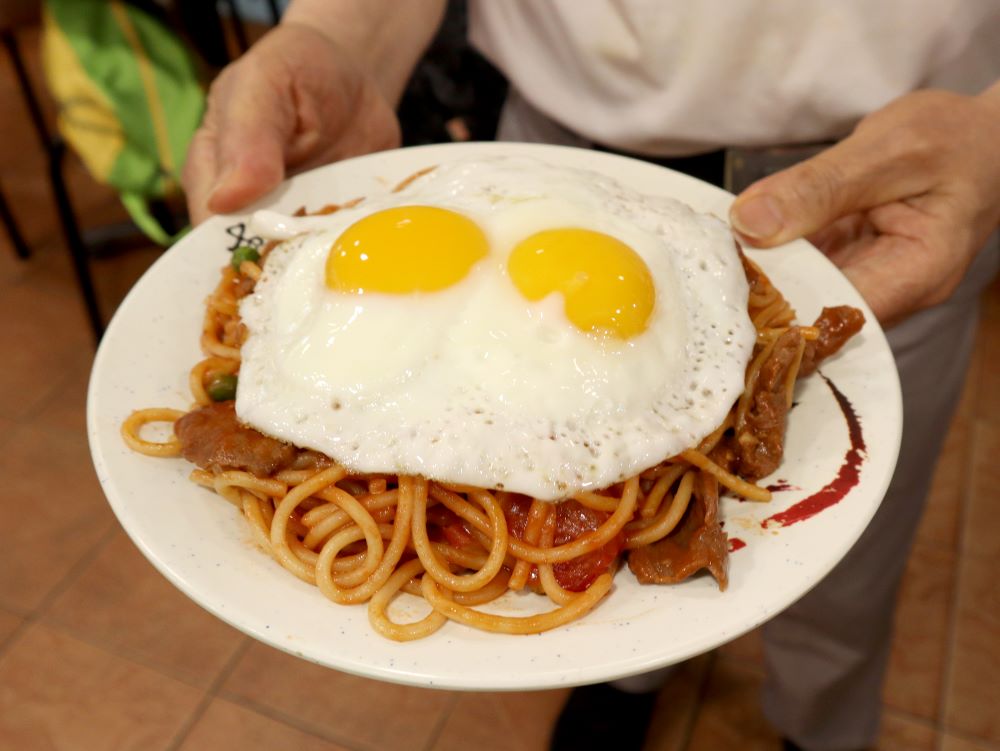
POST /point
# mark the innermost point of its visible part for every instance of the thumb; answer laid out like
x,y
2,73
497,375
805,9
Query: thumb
x,y
251,138
857,174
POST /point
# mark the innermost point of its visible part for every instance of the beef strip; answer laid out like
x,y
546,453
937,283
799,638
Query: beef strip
x,y
836,326
213,438
759,440
697,543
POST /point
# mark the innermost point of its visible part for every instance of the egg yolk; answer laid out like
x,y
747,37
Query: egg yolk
x,y
606,287
405,249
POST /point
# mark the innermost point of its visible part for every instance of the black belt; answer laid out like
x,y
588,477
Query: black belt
x,y
733,169
710,166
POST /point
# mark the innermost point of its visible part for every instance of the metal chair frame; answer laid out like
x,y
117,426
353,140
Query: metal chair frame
x,y
55,151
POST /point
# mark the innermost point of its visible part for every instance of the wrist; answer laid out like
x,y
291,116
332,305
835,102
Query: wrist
x,y
385,38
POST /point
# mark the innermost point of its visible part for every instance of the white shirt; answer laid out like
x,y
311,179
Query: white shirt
x,y
671,77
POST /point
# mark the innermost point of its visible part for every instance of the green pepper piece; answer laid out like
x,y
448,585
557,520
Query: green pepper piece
x,y
244,253
222,388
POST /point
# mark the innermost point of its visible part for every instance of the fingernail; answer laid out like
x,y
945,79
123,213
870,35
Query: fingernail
x,y
758,217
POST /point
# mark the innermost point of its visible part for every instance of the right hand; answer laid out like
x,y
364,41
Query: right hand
x,y
294,101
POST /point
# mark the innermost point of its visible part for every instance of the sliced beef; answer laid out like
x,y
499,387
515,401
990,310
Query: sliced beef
x,y
759,441
697,543
214,439
836,326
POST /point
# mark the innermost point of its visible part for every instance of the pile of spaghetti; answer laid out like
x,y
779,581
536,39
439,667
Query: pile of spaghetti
x,y
364,538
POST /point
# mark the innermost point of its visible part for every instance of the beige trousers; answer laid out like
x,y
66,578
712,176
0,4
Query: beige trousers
x,y
826,655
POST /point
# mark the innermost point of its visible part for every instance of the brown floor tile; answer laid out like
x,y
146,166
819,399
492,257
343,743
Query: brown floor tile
x,y
121,603
8,625
749,647
951,742
501,722
66,408
341,707
42,336
229,727
478,721
533,713
939,525
48,270
917,664
48,475
973,687
982,523
730,714
113,269
677,706
7,427
57,692
115,276
902,733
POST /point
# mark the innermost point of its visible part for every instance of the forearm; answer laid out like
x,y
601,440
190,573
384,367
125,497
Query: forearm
x,y
387,37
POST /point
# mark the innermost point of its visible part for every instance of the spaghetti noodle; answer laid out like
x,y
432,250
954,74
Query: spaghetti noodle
x,y
366,538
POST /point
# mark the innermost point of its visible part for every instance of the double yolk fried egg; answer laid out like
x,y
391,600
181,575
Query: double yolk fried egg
x,y
502,323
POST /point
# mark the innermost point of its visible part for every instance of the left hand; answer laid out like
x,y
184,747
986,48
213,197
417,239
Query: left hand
x,y
902,205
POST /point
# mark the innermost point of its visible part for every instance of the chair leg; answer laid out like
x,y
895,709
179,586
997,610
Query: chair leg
x,y
27,92
74,241
16,238
55,150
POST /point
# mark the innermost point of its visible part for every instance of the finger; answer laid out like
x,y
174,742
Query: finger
x,y
842,232
199,174
875,271
898,276
255,126
867,169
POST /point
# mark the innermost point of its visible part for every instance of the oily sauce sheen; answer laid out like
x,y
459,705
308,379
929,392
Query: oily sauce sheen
x,y
572,521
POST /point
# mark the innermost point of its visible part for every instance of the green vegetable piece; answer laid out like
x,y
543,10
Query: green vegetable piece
x,y
244,253
222,388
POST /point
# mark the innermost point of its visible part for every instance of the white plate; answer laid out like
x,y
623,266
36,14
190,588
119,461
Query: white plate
x,y
199,542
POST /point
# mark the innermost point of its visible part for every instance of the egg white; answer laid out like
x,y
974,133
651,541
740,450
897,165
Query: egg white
x,y
474,384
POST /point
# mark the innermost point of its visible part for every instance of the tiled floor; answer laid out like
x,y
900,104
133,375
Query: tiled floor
x,y
97,651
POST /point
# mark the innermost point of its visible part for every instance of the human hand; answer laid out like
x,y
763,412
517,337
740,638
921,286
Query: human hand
x,y
295,100
902,206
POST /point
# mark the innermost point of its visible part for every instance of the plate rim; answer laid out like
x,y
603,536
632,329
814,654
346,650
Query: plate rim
x,y
395,675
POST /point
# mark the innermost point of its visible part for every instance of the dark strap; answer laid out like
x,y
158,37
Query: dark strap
x,y
710,166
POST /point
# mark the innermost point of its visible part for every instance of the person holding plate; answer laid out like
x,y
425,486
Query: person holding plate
x,y
900,107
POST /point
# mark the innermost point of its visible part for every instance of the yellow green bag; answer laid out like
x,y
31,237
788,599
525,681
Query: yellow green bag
x,y
129,98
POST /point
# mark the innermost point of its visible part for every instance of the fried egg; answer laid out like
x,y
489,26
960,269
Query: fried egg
x,y
503,323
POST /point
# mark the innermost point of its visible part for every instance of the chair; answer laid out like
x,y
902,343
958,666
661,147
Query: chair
x,y
18,14
15,15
